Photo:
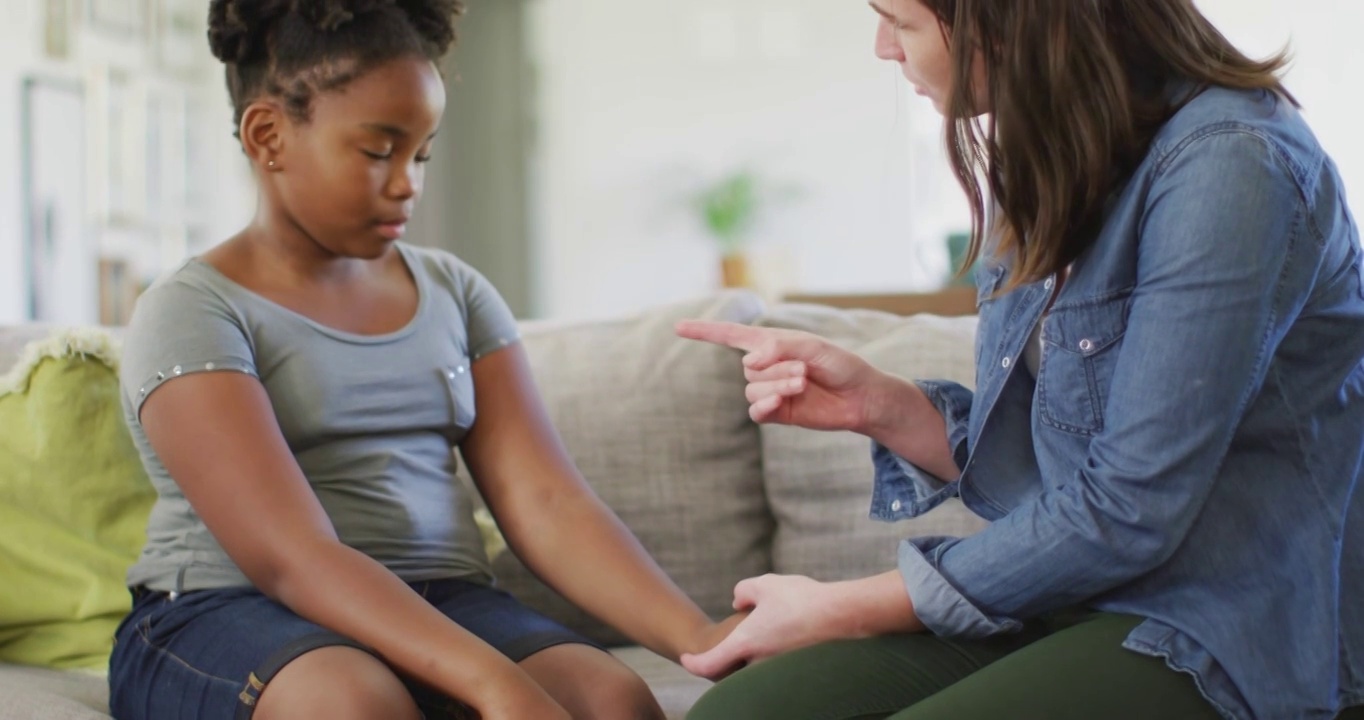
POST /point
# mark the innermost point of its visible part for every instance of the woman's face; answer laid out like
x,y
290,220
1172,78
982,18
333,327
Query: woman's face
x,y
911,35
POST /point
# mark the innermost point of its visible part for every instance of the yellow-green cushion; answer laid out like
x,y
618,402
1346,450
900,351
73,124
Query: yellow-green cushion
x,y
74,501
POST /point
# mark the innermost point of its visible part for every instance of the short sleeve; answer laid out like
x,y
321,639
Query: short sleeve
x,y
491,323
178,329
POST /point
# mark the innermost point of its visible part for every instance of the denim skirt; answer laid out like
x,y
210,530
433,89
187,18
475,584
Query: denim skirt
x,y
208,654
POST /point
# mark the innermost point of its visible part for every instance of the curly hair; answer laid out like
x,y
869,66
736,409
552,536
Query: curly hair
x,y
295,49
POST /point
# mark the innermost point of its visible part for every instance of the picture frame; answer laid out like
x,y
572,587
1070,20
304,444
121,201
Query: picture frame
x,y
126,19
166,154
177,35
58,238
118,291
120,148
57,28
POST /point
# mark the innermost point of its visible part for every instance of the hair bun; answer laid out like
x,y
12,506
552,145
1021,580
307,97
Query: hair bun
x,y
434,20
236,28
328,16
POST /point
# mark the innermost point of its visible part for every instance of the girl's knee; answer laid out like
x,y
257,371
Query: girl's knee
x,y
336,682
617,695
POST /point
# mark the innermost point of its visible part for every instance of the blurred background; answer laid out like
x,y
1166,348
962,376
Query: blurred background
x,y
598,156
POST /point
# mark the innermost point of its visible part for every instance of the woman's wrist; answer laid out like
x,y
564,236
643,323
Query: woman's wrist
x,y
890,408
871,607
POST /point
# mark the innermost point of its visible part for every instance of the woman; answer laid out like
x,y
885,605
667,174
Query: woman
x,y
296,395
1167,429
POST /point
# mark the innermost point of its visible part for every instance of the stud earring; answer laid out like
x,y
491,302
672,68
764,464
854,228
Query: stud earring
x,y
271,163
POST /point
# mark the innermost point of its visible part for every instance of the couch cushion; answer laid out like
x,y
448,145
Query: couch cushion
x,y
13,340
73,503
676,689
660,429
819,484
37,694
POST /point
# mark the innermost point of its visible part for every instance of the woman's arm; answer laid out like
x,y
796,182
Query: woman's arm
x,y
237,472
797,378
1223,266
558,527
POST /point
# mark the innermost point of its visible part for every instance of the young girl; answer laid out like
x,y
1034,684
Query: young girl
x,y
296,394
1167,429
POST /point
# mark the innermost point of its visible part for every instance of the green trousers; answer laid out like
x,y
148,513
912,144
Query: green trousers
x,y
1068,667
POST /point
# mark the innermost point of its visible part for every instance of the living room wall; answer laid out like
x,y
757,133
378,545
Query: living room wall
x,y
635,101
636,97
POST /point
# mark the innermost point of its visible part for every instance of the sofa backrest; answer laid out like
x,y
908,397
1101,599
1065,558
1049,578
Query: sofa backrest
x,y
659,427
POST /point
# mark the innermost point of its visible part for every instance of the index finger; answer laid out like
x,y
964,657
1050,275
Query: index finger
x,y
735,335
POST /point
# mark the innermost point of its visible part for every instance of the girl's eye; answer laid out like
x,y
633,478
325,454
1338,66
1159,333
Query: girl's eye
x,y
423,158
375,155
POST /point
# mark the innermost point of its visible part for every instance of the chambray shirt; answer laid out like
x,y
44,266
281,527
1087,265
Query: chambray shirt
x,y
1190,448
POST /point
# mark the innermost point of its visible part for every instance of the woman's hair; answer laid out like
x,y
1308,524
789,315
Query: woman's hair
x,y
294,49
1077,89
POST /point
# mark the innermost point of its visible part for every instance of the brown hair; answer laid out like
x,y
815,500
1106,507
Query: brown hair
x,y
1076,90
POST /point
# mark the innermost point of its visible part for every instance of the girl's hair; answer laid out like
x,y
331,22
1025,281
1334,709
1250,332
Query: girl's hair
x,y
1077,89
294,49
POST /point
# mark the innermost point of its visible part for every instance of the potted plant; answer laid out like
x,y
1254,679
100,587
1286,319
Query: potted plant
x,y
728,210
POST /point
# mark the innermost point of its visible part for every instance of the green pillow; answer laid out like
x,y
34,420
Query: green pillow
x,y
74,501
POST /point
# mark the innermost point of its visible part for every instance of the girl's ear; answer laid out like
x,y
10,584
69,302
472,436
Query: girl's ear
x,y
262,134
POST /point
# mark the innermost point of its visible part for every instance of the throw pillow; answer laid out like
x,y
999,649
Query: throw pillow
x,y
74,501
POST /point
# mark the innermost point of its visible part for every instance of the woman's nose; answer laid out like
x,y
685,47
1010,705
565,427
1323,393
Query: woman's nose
x,y
887,44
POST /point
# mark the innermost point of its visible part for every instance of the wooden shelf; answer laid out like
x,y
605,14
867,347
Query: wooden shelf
x,y
949,302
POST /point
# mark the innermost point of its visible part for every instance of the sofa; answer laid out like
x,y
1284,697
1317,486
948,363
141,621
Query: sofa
x,y
659,427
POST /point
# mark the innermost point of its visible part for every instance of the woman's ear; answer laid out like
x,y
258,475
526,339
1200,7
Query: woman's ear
x,y
262,134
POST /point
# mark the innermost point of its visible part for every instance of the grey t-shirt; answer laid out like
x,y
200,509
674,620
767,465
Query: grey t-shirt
x,y
371,420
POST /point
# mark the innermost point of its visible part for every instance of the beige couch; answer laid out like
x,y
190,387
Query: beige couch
x,y
660,428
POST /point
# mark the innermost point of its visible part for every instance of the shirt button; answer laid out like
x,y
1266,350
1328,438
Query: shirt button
x,y
1050,283
1007,362
895,506
1086,345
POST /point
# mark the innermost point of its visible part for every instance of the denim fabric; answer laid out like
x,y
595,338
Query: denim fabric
x,y
1190,448
209,654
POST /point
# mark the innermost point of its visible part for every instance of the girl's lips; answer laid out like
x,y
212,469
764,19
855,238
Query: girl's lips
x,y
393,231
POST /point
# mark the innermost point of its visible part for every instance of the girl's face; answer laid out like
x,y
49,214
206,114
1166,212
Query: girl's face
x,y
350,176
911,35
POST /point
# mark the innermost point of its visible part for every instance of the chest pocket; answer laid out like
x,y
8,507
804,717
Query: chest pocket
x,y
1079,357
459,384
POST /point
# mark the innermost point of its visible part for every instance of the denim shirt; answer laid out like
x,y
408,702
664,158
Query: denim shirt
x,y
1190,448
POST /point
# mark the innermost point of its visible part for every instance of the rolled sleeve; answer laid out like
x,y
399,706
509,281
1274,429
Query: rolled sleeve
x,y
939,605
903,489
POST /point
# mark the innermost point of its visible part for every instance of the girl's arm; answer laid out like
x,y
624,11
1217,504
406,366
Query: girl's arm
x,y
558,527
237,472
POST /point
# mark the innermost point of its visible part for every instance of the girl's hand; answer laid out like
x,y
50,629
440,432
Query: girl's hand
x,y
787,613
796,378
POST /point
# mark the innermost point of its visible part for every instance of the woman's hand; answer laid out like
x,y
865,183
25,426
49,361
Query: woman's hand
x,y
796,378
789,612
710,636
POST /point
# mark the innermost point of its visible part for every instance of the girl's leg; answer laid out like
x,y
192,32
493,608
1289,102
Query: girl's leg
x,y
235,654
336,682
591,684
852,680
1078,673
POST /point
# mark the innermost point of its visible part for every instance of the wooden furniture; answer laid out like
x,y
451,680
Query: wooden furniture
x,y
948,302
